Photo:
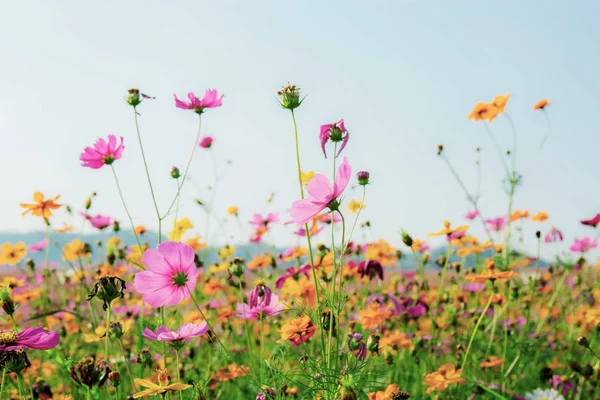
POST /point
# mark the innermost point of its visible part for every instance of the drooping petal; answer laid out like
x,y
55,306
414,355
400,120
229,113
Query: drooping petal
x,y
342,178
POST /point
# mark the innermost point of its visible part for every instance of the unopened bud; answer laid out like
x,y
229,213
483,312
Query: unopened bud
x,y
440,149
175,173
115,329
236,267
6,301
583,342
406,239
115,378
363,178
133,97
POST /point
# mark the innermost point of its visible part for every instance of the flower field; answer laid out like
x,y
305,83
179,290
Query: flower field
x,y
164,314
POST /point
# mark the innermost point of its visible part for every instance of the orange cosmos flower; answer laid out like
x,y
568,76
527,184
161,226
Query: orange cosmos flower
x,y
392,392
381,251
518,214
500,101
260,262
492,362
540,105
297,330
540,216
445,376
228,373
140,230
492,275
41,208
374,316
448,230
195,243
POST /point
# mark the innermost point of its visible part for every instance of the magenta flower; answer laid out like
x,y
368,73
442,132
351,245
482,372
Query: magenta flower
x,y
206,142
30,338
321,195
456,235
38,246
170,277
99,221
259,221
370,268
592,222
553,236
335,132
211,99
495,224
292,273
103,153
313,232
262,303
472,214
583,245
182,335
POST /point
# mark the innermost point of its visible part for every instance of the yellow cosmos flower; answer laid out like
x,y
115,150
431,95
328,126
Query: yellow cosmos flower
x,y
41,208
12,255
161,387
354,206
233,210
305,177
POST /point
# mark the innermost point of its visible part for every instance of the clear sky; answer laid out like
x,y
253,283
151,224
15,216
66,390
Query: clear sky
x,y
403,74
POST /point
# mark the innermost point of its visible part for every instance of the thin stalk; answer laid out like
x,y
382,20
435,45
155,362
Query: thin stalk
x,y
339,306
137,239
332,300
498,149
246,330
559,286
178,372
126,363
106,336
187,168
462,368
137,129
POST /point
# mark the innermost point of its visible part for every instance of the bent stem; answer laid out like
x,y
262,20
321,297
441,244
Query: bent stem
x,y
137,239
489,302
137,129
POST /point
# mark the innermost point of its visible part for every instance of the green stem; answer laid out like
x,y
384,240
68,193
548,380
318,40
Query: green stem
x,y
187,168
178,372
559,286
126,363
462,368
2,384
445,268
332,299
137,129
498,149
137,239
247,331
341,283
106,336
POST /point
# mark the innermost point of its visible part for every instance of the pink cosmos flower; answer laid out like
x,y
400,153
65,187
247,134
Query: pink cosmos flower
x,y
259,221
583,245
99,221
30,338
472,214
38,246
592,222
182,335
211,99
326,218
321,195
313,232
263,303
335,132
206,142
170,277
292,273
456,235
495,224
103,153
553,236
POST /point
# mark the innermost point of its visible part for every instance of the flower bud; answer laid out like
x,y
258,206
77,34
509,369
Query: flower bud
x,y
107,289
373,344
583,342
14,360
144,356
111,258
328,321
133,97
116,226
440,149
90,372
289,97
363,178
31,264
6,301
175,172
538,234
115,329
206,142
115,378
236,267
406,239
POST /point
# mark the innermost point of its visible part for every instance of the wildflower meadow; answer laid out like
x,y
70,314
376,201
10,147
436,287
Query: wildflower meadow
x,y
331,317
193,254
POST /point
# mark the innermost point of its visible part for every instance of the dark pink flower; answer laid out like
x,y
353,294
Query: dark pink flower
x,y
370,268
495,224
292,273
583,245
170,276
553,236
335,132
99,221
38,246
30,338
321,195
592,222
211,99
102,153
206,142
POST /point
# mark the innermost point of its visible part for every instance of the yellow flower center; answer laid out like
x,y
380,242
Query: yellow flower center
x,y
9,337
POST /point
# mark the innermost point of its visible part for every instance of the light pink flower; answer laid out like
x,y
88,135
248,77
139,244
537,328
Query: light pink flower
x,y
183,334
583,245
30,338
495,224
553,236
38,246
99,221
259,221
260,310
211,99
206,142
472,214
170,276
102,153
335,132
321,194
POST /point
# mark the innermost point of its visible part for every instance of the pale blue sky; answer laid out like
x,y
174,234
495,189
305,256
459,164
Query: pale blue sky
x,y
404,75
